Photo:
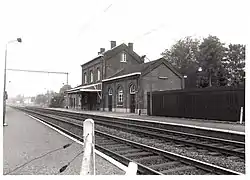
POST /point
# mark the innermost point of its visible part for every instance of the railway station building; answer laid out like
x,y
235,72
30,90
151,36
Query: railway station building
x,y
118,80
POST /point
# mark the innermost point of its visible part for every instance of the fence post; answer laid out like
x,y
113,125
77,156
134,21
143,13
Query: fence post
x,y
88,162
241,114
132,169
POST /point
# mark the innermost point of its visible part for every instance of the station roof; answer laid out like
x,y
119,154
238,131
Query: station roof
x,y
142,69
86,88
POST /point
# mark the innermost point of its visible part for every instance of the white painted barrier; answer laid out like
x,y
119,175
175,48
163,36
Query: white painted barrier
x,y
241,115
132,169
88,162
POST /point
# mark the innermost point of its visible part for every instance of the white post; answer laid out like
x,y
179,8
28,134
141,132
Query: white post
x,y
88,162
241,114
132,169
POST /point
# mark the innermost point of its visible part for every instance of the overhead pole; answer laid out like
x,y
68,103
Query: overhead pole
x,y
49,72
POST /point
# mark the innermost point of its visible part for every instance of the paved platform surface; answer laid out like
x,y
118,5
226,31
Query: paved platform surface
x,y
223,125
25,138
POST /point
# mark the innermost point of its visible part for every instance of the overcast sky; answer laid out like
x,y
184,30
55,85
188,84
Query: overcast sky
x,y
60,35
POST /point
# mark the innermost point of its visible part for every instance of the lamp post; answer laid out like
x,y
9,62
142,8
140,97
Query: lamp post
x,y
4,86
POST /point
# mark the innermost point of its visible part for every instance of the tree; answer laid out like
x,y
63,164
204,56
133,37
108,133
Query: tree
x,y
20,98
221,75
57,100
221,65
183,54
212,52
41,99
64,88
234,64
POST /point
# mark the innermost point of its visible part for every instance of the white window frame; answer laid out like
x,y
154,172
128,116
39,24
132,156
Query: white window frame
x,y
98,74
132,89
79,101
120,96
91,76
124,57
110,91
85,78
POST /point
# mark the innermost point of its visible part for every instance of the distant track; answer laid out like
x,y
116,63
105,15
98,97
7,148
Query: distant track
x,y
150,160
225,147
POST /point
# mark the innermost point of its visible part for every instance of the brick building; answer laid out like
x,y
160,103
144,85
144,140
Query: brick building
x,y
118,80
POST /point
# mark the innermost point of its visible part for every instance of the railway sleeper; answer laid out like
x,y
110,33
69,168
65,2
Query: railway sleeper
x,y
143,153
146,158
118,146
124,152
183,168
108,143
239,149
171,163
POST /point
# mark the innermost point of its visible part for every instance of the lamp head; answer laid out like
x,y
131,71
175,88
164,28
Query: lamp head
x,y
19,40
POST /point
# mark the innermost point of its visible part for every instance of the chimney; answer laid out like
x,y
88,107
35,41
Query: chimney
x,y
143,58
130,46
113,44
102,50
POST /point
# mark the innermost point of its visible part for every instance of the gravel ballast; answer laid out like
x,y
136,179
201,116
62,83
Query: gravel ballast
x,y
222,161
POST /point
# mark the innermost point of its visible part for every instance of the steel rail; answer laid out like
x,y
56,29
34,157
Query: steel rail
x,y
201,165
159,133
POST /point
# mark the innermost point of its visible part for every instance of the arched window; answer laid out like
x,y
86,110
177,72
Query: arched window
x,y
85,78
132,89
98,74
120,95
110,91
91,76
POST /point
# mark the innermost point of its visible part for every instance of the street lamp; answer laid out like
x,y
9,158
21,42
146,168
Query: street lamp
x,y
4,87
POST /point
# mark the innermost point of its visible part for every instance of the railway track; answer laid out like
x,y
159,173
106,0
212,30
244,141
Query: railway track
x,y
215,145
150,160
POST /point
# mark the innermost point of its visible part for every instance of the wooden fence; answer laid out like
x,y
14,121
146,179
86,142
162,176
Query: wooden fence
x,y
209,103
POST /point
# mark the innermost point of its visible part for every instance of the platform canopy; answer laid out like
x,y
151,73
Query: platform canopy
x,y
87,88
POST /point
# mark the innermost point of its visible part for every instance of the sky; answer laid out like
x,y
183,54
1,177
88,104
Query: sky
x,y
60,35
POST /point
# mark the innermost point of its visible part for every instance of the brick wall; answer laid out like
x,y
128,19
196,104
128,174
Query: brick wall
x,y
114,64
94,65
125,84
172,82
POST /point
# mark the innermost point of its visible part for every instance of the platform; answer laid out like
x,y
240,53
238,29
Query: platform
x,y
199,123
26,138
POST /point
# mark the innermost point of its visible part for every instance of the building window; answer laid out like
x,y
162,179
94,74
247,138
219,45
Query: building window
x,y
120,96
85,99
110,92
85,78
124,57
132,89
91,76
79,102
98,100
98,74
